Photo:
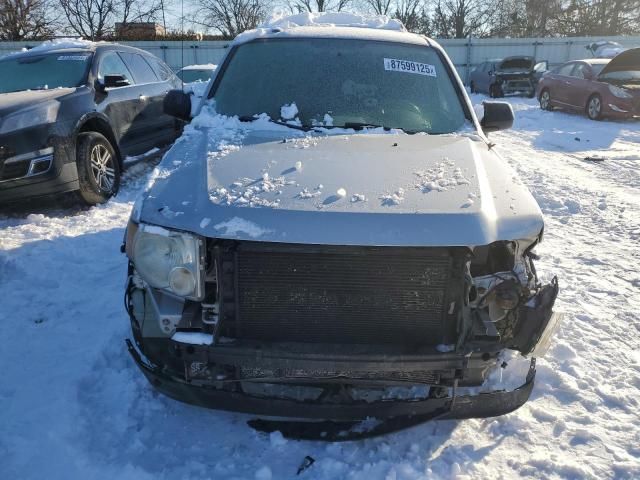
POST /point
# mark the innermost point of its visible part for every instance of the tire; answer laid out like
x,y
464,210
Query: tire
x,y
98,168
472,88
545,100
593,108
495,91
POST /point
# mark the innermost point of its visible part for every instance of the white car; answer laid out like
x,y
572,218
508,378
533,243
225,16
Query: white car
x,y
196,73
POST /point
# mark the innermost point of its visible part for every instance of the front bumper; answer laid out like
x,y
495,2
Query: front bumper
x,y
391,414
18,149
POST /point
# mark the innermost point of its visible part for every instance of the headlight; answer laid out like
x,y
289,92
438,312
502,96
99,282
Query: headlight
x,y
169,260
619,92
30,117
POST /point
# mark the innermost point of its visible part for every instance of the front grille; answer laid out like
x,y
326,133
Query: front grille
x,y
345,295
415,376
519,84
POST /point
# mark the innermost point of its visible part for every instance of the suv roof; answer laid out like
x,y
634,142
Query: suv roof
x,y
71,46
335,25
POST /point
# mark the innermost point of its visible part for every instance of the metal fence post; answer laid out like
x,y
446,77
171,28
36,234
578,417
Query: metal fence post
x,y
468,63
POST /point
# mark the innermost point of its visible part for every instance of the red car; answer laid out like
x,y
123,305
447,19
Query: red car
x,y
600,87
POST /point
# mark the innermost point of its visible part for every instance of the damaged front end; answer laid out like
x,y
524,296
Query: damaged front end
x,y
338,334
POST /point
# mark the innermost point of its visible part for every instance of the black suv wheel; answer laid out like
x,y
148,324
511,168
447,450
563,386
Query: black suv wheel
x,y
98,168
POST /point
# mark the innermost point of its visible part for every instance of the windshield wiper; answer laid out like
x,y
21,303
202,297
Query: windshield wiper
x,y
250,118
362,125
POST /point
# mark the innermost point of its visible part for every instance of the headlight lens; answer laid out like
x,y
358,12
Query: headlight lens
x,y
168,260
619,92
30,117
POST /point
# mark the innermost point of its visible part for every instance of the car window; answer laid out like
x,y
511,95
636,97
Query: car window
x,y
580,71
112,64
142,71
163,71
352,81
188,76
566,69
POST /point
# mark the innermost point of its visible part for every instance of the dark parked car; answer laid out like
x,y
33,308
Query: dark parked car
x,y
513,75
70,113
599,87
257,284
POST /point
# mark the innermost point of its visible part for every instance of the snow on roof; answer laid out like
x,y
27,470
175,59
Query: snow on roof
x,y
58,44
333,19
328,24
205,66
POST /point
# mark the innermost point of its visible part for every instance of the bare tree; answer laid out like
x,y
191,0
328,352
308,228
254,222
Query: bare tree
x,y
413,15
130,11
379,7
300,6
24,19
91,19
231,17
461,18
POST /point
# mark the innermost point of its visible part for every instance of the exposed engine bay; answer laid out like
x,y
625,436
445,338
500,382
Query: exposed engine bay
x,y
344,325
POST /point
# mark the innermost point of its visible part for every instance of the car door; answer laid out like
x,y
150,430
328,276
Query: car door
x,y
490,76
579,85
475,77
482,78
561,85
120,104
159,128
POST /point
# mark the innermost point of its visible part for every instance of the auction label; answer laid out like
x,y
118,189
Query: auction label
x,y
395,65
76,58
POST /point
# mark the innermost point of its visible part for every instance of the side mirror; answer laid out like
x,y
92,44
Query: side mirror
x,y
542,66
177,104
115,81
497,116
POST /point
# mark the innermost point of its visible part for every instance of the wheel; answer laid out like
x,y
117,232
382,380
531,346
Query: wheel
x,y
472,87
594,107
531,94
495,91
98,168
545,100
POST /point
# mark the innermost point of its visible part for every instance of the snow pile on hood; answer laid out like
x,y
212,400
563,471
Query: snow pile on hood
x,y
57,44
333,19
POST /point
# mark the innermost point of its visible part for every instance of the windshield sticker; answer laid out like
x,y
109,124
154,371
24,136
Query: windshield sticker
x,y
78,58
395,65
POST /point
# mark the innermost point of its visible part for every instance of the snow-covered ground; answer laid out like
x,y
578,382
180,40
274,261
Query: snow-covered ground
x,y
73,405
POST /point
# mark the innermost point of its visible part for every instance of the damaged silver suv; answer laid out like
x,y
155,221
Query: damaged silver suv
x,y
334,239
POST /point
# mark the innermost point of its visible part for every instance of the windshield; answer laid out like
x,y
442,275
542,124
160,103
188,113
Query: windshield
x,y
188,76
341,83
43,71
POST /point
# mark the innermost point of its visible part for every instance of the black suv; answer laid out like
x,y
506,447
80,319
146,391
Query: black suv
x,y
71,113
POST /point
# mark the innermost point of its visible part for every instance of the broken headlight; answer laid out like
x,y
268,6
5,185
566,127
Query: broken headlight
x,y
169,260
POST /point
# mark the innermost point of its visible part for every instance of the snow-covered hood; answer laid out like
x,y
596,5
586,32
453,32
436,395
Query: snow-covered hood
x,y
14,101
359,189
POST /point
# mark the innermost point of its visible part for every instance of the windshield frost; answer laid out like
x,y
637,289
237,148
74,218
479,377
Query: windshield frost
x,y
43,71
357,83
